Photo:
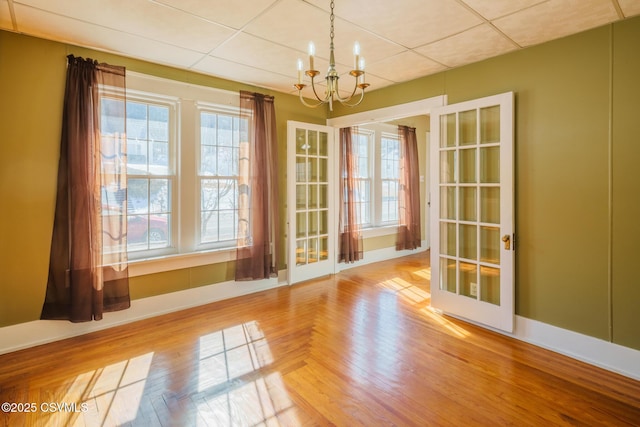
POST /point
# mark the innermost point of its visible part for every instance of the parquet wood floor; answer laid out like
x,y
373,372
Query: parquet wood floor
x,y
358,348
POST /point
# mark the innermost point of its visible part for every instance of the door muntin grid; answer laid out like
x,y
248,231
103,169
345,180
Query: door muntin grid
x,y
469,216
312,196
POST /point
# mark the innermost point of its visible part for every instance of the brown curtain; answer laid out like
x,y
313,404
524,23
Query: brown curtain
x,y
258,190
88,272
409,232
349,227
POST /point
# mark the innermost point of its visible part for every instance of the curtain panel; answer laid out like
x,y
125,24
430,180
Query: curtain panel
x,y
409,231
88,272
351,245
258,232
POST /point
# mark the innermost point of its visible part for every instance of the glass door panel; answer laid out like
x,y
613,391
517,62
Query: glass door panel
x,y
448,275
448,166
301,196
448,133
448,242
490,124
448,203
467,165
468,127
490,285
468,241
468,203
490,164
469,280
473,263
490,245
313,240
490,205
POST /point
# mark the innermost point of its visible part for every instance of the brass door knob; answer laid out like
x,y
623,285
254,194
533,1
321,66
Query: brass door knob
x,y
507,241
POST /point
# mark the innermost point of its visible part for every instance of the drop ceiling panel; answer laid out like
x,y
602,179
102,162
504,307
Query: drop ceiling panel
x,y
5,16
244,74
629,7
556,18
293,23
403,67
492,9
160,23
372,47
410,23
258,53
43,24
225,12
473,45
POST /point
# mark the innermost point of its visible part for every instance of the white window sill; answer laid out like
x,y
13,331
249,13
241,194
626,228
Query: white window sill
x,y
160,264
141,267
385,230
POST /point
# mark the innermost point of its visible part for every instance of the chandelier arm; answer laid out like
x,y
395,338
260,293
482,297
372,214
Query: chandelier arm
x,y
313,86
348,98
346,103
306,104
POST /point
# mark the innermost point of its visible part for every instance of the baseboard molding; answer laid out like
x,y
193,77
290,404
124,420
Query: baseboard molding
x,y
383,254
37,332
600,353
594,351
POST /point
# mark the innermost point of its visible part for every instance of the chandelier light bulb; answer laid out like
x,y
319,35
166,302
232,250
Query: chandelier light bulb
x,y
331,90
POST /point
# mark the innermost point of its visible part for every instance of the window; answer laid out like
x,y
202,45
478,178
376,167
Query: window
x,y
150,175
220,136
183,149
363,140
389,179
378,151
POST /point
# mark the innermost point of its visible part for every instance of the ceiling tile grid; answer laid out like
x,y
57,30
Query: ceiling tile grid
x,y
258,42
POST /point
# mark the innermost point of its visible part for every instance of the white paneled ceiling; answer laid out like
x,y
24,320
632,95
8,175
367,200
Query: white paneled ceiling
x,y
259,41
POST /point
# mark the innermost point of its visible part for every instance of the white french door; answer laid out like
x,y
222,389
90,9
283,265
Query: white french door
x,y
311,205
472,226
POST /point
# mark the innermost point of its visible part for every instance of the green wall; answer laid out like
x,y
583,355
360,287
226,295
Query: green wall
x,y
625,185
577,180
577,128
32,78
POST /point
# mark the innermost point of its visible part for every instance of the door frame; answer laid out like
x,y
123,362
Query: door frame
x,y
329,266
499,317
395,112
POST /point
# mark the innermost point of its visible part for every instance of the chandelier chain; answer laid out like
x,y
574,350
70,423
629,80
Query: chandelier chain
x,y
332,18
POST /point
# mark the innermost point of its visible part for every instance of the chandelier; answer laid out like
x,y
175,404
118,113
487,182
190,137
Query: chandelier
x,y
331,92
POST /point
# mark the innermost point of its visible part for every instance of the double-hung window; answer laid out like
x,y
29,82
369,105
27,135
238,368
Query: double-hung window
x,y
363,200
378,153
389,178
220,134
150,175
183,149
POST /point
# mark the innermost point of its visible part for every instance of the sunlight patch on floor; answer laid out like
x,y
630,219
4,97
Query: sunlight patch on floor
x,y
425,273
407,290
231,389
106,396
448,325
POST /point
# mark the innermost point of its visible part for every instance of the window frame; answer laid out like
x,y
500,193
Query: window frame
x,y
173,105
209,108
376,226
380,180
185,251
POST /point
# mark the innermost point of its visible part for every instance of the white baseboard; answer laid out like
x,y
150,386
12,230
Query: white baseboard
x,y
37,332
383,254
604,354
597,352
